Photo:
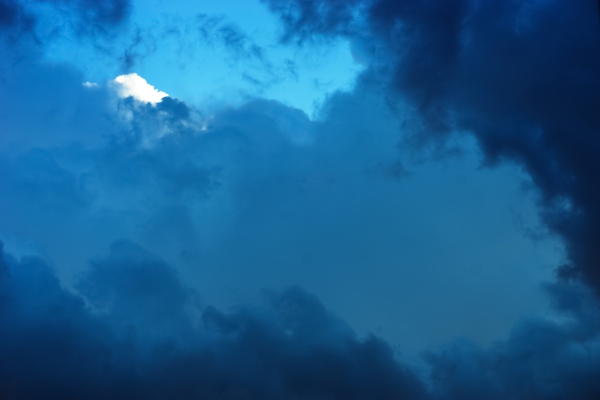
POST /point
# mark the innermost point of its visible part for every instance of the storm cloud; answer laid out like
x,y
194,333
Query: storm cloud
x,y
135,331
522,77
376,199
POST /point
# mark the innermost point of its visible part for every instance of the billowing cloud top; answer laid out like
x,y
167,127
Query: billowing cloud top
x,y
135,86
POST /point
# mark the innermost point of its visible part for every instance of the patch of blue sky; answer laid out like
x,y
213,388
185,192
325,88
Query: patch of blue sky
x,y
209,54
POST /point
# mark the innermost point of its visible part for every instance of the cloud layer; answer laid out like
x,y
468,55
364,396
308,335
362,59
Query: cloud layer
x,y
521,76
147,338
238,194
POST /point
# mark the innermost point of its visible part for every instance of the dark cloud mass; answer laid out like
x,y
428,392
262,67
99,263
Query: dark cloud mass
x,y
134,331
522,76
9,12
243,190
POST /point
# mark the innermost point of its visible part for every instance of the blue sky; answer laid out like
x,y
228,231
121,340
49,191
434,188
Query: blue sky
x,y
176,57
299,199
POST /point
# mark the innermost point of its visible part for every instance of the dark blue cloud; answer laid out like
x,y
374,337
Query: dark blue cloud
x,y
276,194
135,331
256,195
540,359
522,76
14,15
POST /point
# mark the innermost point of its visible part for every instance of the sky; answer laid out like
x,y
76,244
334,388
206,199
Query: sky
x,y
299,199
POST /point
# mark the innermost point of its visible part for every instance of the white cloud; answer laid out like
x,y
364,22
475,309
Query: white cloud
x,y
90,84
137,87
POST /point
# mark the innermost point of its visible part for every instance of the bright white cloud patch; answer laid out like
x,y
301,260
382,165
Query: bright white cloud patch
x,y
135,86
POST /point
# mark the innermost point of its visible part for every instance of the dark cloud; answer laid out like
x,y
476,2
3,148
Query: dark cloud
x,y
252,196
9,12
14,15
133,329
540,359
276,194
62,110
131,332
521,76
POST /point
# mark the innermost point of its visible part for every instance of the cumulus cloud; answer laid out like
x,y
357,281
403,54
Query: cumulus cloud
x,y
133,85
294,197
133,329
521,76
53,344
261,192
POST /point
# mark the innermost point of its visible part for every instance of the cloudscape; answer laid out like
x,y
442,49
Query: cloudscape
x,y
300,199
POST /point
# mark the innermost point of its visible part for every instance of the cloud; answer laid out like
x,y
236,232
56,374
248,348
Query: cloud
x,y
133,329
521,76
540,358
308,202
53,344
261,195
63,111
13,14
135,86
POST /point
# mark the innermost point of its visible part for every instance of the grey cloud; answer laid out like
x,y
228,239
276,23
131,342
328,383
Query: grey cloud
x,y
521,76
54,345
260,190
